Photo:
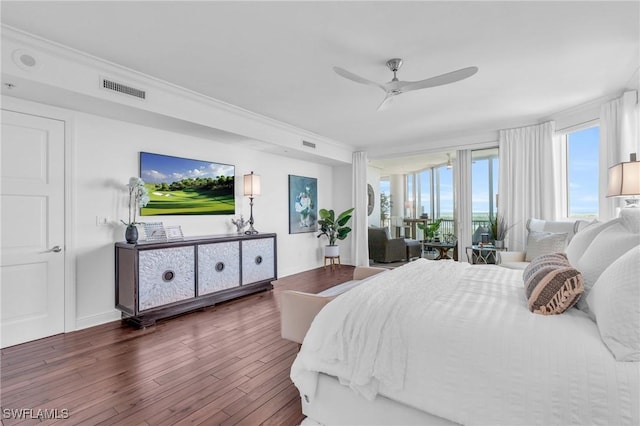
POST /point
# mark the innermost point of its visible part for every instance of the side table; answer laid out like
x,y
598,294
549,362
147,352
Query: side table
x,y
483,254
442,247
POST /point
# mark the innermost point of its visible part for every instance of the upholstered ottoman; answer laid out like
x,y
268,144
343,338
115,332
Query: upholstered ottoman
x,y
414,249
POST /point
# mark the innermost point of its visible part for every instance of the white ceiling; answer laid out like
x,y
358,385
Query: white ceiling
x,y
276,58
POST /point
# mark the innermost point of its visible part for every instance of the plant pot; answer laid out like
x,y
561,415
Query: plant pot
x,y
331,251
499,244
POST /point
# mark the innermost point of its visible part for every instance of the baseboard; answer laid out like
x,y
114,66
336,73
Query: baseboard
x,y
93,320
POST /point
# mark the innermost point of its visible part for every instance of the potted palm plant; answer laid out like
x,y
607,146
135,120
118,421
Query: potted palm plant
x,y
334,228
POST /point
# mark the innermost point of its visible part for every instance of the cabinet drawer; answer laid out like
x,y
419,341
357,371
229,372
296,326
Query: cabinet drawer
x,y
218,266
258,260
165,276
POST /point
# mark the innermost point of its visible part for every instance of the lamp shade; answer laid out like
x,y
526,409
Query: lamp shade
x,y
624,179
251,184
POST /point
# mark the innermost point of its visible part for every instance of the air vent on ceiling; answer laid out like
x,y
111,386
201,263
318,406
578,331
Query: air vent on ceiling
x,y
122,88
309,144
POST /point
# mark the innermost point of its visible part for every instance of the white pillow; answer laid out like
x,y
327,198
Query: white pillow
x,y
630,218
583,239
608,246
539,243
614,301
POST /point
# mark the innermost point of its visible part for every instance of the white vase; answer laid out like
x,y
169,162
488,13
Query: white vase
x,y
331,251
499,244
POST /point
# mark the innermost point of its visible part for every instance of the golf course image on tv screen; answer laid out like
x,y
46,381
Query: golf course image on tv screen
x,y
182,186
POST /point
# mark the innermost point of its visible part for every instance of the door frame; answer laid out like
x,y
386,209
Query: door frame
x,y
22,106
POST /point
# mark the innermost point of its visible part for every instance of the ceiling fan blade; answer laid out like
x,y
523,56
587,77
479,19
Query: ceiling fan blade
x,y
450,77
388,100
353,77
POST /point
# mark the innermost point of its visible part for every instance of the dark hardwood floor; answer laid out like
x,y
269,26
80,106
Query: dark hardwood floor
x,y
222,365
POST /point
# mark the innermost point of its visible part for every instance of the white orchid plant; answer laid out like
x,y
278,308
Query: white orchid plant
x,y
138,197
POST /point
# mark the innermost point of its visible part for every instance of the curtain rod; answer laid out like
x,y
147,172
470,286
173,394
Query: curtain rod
x,y
573,126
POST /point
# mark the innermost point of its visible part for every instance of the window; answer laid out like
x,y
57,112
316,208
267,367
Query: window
x,y
484,185
385,202
424,192
444,193
582,173
411,191
431,192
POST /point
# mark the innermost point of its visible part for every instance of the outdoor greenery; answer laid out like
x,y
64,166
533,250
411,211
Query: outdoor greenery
x,y
430,230
385,207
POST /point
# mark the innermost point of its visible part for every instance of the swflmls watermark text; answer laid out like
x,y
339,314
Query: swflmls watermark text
x,y
35,413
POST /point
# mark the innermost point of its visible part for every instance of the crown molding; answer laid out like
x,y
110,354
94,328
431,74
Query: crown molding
x,y
106,68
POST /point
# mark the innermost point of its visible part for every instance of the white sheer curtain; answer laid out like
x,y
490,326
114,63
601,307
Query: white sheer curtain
x,y
360,242
619,137
530,175
463,214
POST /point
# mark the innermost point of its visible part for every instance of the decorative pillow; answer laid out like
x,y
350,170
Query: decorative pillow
x,y
614,303
539,243
542,261
608,246
551,285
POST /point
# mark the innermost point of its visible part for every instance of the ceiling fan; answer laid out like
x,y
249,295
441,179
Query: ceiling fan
x,y
396,87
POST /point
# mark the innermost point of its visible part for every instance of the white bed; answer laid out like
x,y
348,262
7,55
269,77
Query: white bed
x,y
442,342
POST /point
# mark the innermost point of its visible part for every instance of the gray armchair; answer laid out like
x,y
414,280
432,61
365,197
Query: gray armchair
x,y
383,248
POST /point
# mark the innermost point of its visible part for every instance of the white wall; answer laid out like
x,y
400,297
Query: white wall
x,y
105,155
342,188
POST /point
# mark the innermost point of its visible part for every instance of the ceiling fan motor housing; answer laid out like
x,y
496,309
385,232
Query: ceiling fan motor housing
x,y
394,64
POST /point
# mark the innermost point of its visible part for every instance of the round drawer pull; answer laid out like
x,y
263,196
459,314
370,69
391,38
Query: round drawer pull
x,y
258,260
219,267
168,276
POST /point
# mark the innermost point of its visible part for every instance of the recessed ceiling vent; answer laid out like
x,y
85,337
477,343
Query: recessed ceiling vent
x,y
123,88
309,144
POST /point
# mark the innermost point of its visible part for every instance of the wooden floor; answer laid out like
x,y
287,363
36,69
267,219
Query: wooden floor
x,y
223,365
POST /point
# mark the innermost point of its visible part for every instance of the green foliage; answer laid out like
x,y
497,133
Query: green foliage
x,y
430,229
334,228
385,207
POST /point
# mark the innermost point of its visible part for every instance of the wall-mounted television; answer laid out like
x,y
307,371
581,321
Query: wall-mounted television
x,y
183,186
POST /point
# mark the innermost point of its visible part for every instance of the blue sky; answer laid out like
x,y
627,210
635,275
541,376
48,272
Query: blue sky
x,y
156,168
583,171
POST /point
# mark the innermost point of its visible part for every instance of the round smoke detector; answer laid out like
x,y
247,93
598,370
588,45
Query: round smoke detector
x,y
24,59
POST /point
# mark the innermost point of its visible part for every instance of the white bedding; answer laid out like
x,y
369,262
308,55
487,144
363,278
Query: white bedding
x,y
458,341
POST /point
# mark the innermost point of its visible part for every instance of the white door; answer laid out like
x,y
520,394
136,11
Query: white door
x,y
32,233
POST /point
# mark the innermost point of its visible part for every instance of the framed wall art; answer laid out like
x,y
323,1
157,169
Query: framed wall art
x,y
303,204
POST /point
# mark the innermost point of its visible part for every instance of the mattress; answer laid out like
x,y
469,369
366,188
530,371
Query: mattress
x,y
458,342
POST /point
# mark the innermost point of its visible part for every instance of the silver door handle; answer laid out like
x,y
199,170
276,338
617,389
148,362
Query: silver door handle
x,y
55,249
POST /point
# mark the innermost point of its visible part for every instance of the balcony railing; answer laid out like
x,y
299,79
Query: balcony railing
x,y
447,226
